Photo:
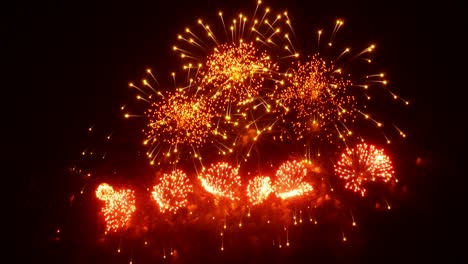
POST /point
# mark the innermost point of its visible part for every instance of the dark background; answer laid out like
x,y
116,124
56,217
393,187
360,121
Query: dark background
x,y
72,62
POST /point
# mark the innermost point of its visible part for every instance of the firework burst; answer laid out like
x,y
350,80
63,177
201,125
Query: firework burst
x,y
264,31
119,206
290,180
320,100
172,191
222,180
178,121
361,164
258,189
315,98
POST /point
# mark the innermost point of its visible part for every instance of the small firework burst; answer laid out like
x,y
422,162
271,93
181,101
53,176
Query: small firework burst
x,y
264,31
361,164
258,189
290,180
315,97
178,121
221,180
172,191
119,206
234,73
320,100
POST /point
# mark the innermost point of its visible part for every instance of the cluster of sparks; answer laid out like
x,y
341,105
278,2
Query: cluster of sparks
x,y
119,206
290,180
361,164
222,180
315,97
239,90
172,191
234,74
178,120
258,189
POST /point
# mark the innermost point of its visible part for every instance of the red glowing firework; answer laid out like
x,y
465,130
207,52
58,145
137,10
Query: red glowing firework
x,y
361,164
290,180
222,180
258,189
119,206
172,191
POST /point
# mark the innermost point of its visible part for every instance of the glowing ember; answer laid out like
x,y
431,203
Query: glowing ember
x,y
316,97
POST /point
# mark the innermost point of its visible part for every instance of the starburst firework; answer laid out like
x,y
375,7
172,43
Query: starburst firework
x,y
172,191
178,121
258,189
290,180
221,180
361,164
119,206
315,98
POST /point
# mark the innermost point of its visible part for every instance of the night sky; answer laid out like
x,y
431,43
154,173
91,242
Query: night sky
x,y
74,61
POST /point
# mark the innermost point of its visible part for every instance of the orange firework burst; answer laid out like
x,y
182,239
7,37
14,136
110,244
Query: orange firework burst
x,y
119,206
323,97
178,121
266,32
361,164
222,180
316,97
290,180
234,73
172,191
258,189
235,64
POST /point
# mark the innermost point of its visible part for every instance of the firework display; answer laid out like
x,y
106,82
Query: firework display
x,y
233,74
256,124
